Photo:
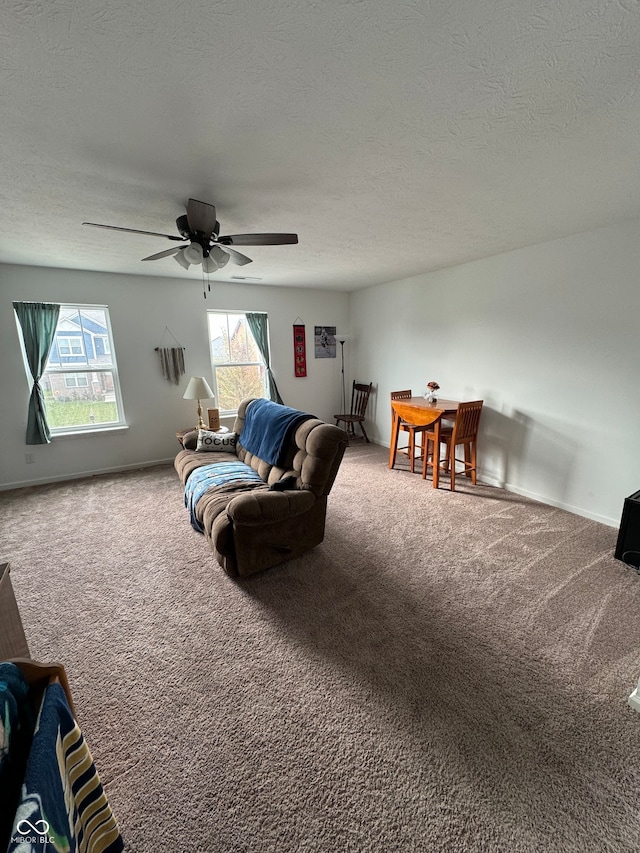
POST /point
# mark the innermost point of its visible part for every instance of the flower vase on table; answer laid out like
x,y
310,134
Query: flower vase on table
x,y
431,394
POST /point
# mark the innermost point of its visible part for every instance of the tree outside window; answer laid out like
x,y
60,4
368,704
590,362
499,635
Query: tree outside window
x,y
239,370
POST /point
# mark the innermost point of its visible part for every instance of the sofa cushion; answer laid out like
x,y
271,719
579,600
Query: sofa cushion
x,y
219,478
188,461
217,442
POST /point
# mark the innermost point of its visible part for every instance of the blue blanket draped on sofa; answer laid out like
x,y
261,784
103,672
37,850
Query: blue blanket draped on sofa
x,y
266,428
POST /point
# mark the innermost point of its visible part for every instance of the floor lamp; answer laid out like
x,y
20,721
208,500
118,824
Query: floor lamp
x,y
342,339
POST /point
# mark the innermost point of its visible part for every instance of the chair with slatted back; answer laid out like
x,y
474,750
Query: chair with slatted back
x,y
412,430
359,401
464,432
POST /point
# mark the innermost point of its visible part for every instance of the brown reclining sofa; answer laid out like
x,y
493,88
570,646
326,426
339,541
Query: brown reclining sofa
x,y
257,512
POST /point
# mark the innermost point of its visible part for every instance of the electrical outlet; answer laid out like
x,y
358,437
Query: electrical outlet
x,y
28,458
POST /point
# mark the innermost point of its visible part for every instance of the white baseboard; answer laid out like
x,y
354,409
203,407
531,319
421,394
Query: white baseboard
x,y
488,480
78,475
575,510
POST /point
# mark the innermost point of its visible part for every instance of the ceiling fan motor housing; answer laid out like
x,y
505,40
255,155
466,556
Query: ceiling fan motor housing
x,y
204,240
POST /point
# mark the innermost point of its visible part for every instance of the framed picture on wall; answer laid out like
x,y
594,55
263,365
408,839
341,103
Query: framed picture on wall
x,y
325,341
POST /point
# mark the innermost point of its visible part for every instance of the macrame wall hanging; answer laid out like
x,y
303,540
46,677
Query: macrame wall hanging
x,y
299,349
171,358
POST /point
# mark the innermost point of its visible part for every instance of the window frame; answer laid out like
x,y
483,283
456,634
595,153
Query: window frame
x,y
75,368
214,365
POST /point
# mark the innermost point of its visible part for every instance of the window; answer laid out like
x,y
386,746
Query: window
x,y
76,380
80,382
69,346
239,369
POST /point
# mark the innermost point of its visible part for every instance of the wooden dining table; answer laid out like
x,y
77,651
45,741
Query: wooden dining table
x,y
420,412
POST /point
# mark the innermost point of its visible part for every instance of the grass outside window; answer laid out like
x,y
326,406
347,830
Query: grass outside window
x,y
80,413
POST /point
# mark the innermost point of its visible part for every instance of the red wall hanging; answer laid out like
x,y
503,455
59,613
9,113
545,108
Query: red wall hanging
x,y
299,351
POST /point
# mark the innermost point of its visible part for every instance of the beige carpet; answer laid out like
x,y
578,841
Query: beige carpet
x,y
446,672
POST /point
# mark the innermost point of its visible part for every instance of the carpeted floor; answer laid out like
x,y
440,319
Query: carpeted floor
x,y
446,672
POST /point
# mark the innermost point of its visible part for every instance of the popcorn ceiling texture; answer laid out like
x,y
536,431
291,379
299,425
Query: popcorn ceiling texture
x,y
395,138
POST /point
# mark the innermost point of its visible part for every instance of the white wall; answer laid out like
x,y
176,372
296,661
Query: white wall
x,y
140,308
549,337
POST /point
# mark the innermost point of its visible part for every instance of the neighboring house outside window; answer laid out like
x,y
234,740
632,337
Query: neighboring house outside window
x,y
80,382
239,370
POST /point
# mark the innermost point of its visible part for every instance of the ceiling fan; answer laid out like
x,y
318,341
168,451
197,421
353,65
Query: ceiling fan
x,y
201,229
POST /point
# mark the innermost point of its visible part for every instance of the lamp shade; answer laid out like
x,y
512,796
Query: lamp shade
x,y
341,338
198,389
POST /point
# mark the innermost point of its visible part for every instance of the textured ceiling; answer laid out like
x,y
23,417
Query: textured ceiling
x,y
394,138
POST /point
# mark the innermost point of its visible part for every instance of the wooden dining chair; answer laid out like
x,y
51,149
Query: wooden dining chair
x,y
412,431
464,432
359,401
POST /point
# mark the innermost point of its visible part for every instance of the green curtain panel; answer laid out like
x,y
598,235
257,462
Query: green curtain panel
x,y
258,325
38,321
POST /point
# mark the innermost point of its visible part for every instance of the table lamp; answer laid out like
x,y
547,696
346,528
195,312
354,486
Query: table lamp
x,y
198,389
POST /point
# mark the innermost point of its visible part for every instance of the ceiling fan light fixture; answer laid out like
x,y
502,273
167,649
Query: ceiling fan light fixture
x,y
180,258
209,264
193,253
220,257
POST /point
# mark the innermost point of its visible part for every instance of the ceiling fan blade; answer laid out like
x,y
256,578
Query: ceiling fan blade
x,y
201,216
258,239
134,231
173,251
237,257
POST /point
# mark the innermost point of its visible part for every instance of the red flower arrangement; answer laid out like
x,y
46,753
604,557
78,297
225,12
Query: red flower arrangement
x,y
431,394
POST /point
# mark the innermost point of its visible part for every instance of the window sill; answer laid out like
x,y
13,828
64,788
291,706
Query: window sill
x,y
93,431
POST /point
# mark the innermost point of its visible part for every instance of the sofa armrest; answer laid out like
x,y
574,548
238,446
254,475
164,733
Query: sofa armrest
x,y
266,507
